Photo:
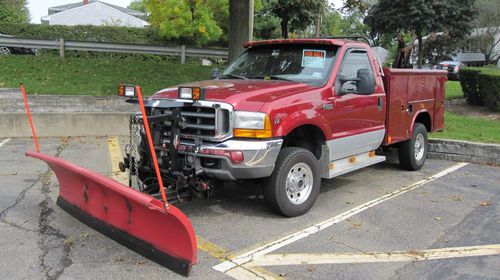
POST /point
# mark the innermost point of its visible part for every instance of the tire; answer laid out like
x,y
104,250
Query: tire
x,y
5,51
413,152
300,169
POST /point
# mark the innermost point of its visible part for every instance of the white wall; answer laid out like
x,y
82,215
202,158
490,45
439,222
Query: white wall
x,y
94,14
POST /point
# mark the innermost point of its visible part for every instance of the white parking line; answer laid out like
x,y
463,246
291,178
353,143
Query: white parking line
x,y
4,141
277,244
376,257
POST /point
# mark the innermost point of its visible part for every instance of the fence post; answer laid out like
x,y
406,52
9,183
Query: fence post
x,y
61,48
183,54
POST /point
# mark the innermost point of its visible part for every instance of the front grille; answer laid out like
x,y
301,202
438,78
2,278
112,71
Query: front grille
x,y
207,123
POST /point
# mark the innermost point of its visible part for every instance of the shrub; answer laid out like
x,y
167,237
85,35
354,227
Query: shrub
x,y
111,34
489,88
468,81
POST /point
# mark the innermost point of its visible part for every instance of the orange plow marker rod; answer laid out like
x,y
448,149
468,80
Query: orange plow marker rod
x,y
151,146
33,131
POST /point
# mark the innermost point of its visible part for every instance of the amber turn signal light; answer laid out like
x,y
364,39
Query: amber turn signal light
x,y
127,91
193,93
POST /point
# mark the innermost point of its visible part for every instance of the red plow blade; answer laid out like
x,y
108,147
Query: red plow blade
x,y
131,218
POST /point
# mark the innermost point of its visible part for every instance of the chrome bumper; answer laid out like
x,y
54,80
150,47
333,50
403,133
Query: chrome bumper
x,y
259,158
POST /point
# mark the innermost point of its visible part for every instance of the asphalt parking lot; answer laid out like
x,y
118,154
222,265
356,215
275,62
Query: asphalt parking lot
x,y
442,222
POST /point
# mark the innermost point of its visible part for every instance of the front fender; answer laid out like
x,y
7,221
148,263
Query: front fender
x,y
290,121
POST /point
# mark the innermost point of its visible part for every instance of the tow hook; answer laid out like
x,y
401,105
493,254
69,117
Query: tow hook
x,y
124,165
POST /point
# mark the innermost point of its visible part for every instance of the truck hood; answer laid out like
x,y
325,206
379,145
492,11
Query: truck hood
x,y
242,94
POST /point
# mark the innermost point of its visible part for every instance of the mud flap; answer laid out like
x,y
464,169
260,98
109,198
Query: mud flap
x,y
131,218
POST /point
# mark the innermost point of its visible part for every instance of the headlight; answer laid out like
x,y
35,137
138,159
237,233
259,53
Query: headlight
x,y
252,125
194,93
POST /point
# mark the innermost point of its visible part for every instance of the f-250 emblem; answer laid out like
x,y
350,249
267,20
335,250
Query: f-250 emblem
x,y
328,106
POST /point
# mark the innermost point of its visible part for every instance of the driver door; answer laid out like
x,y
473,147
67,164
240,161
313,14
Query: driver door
x,y
358,118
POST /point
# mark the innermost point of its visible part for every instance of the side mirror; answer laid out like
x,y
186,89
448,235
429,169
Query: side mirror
x,y
366,82
346,85
214,74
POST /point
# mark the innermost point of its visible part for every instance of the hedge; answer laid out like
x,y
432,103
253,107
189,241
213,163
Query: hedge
x,y
112,34
481,86
468,81
489,88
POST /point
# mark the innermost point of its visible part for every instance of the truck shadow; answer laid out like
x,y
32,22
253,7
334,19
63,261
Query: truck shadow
x,y
246,199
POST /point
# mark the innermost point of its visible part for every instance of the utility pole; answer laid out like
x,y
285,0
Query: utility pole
x,y
319,19
240,26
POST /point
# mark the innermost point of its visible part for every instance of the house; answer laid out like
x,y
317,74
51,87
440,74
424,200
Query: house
x,y
94,13
470,59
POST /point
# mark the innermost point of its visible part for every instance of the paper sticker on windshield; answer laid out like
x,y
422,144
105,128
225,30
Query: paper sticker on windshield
x,y
313,58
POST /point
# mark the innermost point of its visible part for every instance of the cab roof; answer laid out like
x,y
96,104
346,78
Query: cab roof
x,y
336,42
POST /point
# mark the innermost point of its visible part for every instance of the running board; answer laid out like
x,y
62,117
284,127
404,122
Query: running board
x,y
346,165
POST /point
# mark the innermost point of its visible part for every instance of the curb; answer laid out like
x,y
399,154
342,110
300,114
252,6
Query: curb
x,y
64,115
455,150
14,125
11,101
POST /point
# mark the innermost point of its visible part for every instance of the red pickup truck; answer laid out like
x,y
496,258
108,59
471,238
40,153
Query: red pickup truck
x,y
290,112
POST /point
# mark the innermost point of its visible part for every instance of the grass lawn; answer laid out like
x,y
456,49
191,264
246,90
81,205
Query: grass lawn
x,y
453,90
93,76
469,129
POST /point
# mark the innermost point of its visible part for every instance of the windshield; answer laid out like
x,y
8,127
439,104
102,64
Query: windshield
x,y
309,64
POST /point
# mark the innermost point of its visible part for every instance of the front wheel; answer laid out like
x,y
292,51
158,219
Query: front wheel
x,y
294,185
413,152
5,51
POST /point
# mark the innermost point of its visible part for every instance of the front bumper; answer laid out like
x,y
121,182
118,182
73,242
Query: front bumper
x,y
259,158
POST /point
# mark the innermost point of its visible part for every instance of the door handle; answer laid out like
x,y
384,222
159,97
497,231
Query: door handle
x,y
380,103
410,109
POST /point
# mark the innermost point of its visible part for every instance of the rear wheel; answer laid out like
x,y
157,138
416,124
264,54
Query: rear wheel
x,y
413,152
294,185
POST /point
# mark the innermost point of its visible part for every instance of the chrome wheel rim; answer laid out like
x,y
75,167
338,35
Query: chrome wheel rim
x,y
419,147
4,51
299,183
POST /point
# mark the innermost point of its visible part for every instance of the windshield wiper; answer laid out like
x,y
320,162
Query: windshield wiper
x,y
233,76
274,77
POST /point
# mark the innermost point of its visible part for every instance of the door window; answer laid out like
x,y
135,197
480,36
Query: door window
x,y
348,78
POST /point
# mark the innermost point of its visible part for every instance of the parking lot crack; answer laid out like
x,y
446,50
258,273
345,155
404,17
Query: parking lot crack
x,y
19,198
55,245
350,247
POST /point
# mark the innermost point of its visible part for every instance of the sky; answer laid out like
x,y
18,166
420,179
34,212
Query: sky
x,y
39,8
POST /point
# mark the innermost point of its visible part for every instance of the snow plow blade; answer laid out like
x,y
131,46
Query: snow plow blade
x,y
131,218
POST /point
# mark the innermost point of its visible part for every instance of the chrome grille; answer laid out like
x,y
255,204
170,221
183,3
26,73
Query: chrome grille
x,y
207,123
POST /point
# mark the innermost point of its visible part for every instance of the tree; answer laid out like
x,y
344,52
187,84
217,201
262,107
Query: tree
x,y
295,14
14,11
220,11
137,5
439,47
191,19
266,23
486,33
453,17
330,25
361,6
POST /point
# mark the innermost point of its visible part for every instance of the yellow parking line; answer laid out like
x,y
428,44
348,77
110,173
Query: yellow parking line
x,y
115,156
222,254
212,249
375,257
